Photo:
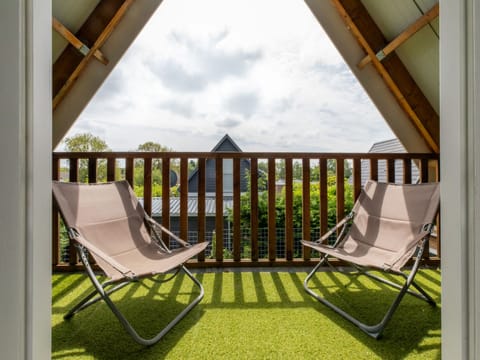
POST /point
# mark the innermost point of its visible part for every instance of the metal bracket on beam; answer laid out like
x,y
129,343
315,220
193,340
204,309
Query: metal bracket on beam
x,y
84,49
380,55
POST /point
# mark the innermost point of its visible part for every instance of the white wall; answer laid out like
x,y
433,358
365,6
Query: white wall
x,y
460,159
25,185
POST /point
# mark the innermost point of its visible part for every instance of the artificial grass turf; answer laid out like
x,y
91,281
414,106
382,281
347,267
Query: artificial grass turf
x,y
247,315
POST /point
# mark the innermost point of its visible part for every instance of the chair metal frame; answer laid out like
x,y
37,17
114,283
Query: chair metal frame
x,y
374,330
104,294
102,291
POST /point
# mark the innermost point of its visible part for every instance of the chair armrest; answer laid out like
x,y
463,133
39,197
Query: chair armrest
x,y
341,223
162,228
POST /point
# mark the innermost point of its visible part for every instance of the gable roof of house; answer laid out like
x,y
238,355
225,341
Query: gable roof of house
x,y
192,207
226,144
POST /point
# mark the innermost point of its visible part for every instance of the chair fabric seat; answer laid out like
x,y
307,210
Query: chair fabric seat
x,y
358,253
150,260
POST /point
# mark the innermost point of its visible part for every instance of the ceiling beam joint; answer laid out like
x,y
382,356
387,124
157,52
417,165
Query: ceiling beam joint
x,y
409,108
403,36
98,43
75,42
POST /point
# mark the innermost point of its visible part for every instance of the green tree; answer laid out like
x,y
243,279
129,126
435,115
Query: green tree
x,y
86,142
149,146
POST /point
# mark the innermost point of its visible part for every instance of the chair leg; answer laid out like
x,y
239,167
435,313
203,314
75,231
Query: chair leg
x,y
125,323
376,330
87,300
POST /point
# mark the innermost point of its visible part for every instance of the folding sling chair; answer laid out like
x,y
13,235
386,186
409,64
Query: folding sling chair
x,y
389,224
107,222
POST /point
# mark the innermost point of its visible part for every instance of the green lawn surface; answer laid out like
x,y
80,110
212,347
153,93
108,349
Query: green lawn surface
x,y
248,315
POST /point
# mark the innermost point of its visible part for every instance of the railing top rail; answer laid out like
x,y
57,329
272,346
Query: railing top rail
x,y
240,155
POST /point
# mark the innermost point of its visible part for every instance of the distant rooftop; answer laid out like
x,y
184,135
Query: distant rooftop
x,y
388,146
192,206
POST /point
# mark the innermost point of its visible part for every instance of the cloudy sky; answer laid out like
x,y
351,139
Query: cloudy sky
x,y
271,79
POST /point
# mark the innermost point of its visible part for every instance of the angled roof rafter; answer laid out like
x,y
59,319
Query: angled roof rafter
x,y
99,41
403,36
76,42
392,70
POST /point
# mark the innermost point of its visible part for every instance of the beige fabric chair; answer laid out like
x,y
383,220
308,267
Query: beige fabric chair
x,y
107,222
388,225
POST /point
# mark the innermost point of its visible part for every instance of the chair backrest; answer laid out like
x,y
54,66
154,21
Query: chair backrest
x,y
108,215
392,217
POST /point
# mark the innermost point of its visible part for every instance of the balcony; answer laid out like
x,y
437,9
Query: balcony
x,y
262,203
260,313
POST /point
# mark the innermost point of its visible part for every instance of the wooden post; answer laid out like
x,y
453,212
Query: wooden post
x,y
166,198
289,236
254,207
201,205
306,206
219,210
272,213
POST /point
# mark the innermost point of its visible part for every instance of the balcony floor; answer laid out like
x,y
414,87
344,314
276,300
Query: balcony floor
x,y
248,315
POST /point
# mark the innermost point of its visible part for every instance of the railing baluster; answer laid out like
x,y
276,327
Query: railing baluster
x,y
166,198
92,170
289,209
236,210
391,170
55,218
73,177
407,171
374,169
306,206
340,169
129,171
323,197
147,185
424,170
272,213
219,209
111,169
201,205
357,178
438,239
73,171
254,208
424,179
184,198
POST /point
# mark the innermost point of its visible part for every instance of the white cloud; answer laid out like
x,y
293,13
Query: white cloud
x,y
263,71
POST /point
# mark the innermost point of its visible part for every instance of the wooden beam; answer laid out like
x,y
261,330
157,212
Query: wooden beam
x,y
97,44
403,36
392,70
75,42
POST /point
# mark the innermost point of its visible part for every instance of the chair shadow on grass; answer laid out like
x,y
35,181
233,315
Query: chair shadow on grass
x,y
96,333
413,322
415,327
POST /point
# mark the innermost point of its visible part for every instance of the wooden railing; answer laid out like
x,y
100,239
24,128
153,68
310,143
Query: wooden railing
x,y
280,251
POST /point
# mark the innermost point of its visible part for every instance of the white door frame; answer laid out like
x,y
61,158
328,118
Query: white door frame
x,y
460,180
25,179
25,145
